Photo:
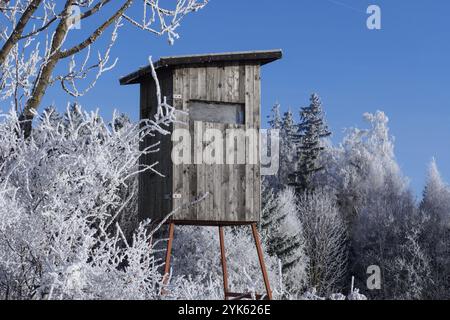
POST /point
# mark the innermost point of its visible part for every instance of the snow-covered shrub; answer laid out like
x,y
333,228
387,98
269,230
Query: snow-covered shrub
x,y
67,219
197,288
355,295
61,200
337,296
312,295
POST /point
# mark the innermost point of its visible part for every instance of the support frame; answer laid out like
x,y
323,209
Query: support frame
x,y
227,294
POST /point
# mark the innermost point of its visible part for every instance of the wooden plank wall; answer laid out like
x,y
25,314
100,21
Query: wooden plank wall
x,y
234,190
154,189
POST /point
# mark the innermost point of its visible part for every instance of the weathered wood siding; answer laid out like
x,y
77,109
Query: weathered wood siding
x,y
155,191
234,190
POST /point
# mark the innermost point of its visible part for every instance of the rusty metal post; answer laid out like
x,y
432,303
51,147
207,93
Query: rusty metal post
x,y
261,260
168,253
223,259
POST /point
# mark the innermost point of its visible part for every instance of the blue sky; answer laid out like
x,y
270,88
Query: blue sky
x,y
403,69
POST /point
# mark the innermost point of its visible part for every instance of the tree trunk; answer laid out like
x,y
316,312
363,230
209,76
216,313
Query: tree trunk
x,y
46,72
43,80
18,30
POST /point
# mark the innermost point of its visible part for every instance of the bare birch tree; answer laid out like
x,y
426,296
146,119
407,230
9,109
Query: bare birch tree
x,y
325,235
35,36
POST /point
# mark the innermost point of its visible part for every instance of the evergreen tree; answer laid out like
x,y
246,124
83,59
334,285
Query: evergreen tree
x,y
52,114
275,123
269,206
73,116
283,235
286,127
275,117
120,121
287,147
308,142
436,196
436,206
288,124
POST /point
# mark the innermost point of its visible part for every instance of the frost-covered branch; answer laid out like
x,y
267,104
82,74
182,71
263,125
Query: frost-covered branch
x,y
36,35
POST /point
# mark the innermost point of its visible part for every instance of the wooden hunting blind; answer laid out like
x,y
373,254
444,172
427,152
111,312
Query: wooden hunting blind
x,y
217,91
213,91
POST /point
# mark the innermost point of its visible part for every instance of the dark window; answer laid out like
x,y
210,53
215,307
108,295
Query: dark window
x,y
217,112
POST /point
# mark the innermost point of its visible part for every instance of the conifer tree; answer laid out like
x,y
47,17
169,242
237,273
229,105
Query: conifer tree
x,y
283,236
275,124
120,121
287,128
73,116
269,206
275,117
436,206
287,147
308,143
53,115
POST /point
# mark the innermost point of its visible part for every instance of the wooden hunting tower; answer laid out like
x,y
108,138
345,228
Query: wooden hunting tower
x,y
215,91
219,91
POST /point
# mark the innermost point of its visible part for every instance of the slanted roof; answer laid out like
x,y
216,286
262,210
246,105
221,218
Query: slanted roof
x,y
261,57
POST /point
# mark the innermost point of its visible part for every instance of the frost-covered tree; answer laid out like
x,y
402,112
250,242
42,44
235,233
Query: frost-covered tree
x,y
379,237
287,147
436,197
53,115
436,207
283,234
275,117
375,199
411,270
325,241
121,121
286,126
74,117
268,207
275,123
365,166
312,129
37,36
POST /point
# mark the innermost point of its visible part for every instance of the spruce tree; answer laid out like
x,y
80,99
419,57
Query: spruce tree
x,y
436,206
287,128
275,123
275,117
52,115
308,143
73,116
283,235
120,121
269,205
287,147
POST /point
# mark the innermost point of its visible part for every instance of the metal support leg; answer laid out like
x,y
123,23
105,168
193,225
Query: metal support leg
x,y
223,259
261,261
168,254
